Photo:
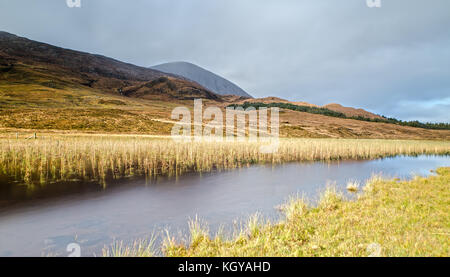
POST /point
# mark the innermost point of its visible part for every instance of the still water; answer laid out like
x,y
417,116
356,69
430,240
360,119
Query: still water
x,y
94,217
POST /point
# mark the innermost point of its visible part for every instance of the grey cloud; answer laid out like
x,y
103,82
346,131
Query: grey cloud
x,y
316,51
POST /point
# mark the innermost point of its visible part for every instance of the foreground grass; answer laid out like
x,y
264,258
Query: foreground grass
x,y
97,158
389,218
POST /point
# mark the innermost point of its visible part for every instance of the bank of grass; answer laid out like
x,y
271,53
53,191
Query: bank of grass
x,y
389,218
57,158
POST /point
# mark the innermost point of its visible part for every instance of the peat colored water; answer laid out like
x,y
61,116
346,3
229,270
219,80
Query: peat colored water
x,y
44,221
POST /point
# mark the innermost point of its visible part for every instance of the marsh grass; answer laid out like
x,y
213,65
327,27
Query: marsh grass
x,y
100,158
353,186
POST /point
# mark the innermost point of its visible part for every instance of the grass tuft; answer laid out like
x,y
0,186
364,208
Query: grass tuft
x,y
353,186
198,230
140,248
330,198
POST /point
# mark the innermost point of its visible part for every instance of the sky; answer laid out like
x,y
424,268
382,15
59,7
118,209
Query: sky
x,y
393,60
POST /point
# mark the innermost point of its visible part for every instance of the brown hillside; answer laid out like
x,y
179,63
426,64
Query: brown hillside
x,y
348,111
165,88
299,124
29,61
352,112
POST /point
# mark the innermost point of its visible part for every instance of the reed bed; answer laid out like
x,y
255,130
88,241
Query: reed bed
x,y
97,158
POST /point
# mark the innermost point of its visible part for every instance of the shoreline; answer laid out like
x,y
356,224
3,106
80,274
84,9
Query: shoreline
x,y
390,217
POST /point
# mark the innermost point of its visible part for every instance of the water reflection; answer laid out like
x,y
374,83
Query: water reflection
x,y
94,216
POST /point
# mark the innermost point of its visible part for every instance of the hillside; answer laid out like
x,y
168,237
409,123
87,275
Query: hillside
x,y
23,61
352,112
209,80
167,88
299,124
348,111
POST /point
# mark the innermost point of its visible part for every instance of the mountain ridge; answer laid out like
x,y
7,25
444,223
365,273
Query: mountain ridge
x,y
71,68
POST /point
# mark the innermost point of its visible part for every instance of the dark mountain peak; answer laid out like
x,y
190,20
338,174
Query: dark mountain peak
x,y
26,50
6,34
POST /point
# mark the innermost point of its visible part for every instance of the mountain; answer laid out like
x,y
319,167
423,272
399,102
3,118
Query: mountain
x,y
45,88
30,62
207,79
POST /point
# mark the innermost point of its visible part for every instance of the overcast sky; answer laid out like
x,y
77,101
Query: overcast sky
x,y
393,60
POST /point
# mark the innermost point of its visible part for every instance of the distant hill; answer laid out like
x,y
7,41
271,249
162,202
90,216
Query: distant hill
x,y
30,62
352,112
348,111
334,110
209,80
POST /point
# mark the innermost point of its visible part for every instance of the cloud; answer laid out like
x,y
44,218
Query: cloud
x,y
332,51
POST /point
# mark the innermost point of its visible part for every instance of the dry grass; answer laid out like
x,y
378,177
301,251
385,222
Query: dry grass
x,y
108,120
140,248
299,124
62,158
353,186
